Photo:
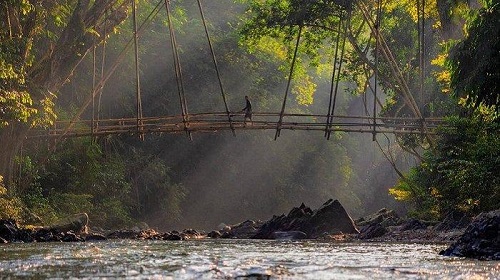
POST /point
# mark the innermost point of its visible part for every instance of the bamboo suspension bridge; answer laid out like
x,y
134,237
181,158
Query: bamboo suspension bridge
x,y
210,122
216,122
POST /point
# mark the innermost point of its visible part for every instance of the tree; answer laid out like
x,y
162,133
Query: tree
x,y
41,43
475,61
461,172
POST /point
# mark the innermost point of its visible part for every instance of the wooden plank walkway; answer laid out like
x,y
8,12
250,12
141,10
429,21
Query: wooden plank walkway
x,y
215,122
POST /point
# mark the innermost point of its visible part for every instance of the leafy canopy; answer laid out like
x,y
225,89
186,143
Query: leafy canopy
x,y
475,61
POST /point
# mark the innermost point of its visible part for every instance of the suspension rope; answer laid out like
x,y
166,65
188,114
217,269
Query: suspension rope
x,y
421,47
94,73
214,59
346,24
332,83
137,78
96,115
278,127
386,52
422,67
178,70
103,65
375,78
108,74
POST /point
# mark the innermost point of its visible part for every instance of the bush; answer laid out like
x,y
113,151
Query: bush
x,y
460,173
10,208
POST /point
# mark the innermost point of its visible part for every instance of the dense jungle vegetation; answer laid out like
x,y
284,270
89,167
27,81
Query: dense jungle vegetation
x,y
441,60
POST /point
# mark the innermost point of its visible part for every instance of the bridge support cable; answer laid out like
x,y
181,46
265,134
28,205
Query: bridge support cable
x,y
332,82
137,73
178,70
214,59
421,53
94,66
346,23
103,65
421,47
378,20
96,115
108,74
385,51
280,122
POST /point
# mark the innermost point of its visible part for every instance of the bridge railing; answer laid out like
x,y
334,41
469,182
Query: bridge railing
x,y
212,122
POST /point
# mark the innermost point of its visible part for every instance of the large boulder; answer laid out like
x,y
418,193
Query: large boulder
x,y
76,223
481,239
372,231
385,217
243,230
377,224
289,235
11,232
453,221
330,218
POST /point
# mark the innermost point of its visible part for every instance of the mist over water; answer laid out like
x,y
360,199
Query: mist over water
x,y
231,179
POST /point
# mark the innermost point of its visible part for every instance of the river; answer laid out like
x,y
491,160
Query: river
x,y
237,259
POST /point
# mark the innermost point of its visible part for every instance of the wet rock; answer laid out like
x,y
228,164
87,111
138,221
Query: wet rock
x,y
452,221
45,235
243,230
227,235
149,234
289,235
71,237
76,223
412,224
172,236
95,237
122,234
256,276
331,217
372,231
385,217
214,234
191,234
9,230
481,239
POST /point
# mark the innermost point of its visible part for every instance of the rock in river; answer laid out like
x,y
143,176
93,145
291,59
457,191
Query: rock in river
x,y
330,218
481,239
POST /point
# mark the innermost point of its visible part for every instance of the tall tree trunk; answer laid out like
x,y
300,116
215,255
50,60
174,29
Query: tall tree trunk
x,y
11,140
57,64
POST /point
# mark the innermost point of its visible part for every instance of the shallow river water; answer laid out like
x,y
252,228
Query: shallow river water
x,y
237,259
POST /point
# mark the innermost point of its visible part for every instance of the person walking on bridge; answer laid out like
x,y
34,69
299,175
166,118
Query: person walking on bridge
x,y
247,109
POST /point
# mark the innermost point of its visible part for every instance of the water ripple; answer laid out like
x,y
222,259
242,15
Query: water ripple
x,y
237,259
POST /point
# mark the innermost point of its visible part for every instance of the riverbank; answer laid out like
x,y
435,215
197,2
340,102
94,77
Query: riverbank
x,y
329,222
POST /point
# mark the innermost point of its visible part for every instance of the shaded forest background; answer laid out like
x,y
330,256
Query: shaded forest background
x,y
170,181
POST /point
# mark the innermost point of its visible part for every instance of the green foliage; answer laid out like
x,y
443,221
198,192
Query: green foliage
x,y
72,203
272,27
157,199
10,208
80,178
20,100
475,62
462,172
39,205
111,213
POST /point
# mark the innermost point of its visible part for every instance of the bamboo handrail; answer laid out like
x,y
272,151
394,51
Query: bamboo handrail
x,y
216,121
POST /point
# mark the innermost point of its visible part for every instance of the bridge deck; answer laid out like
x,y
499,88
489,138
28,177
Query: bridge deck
x,y
214,122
